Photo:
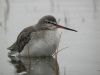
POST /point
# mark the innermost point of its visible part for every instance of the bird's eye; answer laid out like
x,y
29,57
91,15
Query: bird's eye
x,y
47,21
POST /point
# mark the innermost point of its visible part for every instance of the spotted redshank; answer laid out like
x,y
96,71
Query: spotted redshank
x,y
38,40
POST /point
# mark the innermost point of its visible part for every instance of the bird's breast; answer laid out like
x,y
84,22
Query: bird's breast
x,y
42,43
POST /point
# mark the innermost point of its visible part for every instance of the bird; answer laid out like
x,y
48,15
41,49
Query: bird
x,y
38,40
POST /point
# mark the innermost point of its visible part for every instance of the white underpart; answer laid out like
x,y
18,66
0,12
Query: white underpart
x,y
43,43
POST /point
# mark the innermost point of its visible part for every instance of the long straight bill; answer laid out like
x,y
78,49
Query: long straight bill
x,y
59,26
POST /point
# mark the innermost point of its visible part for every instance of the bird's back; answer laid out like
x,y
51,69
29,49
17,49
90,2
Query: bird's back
x,y
22,39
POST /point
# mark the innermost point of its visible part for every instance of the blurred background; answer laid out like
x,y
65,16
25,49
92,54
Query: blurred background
x,y
82,57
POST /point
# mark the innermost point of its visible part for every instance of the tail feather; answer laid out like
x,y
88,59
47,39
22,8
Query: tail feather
x,y
13,47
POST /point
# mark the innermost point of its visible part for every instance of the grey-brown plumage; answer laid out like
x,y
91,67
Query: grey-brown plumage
x,y
22,39
46,27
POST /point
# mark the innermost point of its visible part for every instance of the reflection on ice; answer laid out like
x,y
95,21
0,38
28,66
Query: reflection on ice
x,y
35,66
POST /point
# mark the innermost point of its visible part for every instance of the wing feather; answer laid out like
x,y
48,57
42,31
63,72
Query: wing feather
x,y
22,39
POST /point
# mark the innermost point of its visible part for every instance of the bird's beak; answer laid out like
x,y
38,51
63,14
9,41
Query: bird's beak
x,y
59,26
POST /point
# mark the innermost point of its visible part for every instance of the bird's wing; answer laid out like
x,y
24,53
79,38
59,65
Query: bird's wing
x,y
24,37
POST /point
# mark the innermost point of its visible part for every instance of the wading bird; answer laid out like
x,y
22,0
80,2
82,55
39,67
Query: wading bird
x,y
38,40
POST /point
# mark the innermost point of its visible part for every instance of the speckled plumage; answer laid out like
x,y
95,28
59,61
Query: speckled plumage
x,y
38,39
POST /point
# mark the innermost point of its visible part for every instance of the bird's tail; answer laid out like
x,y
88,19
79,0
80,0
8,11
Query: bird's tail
x,y
13,47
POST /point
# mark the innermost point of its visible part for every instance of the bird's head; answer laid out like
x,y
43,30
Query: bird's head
x,y
49,23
